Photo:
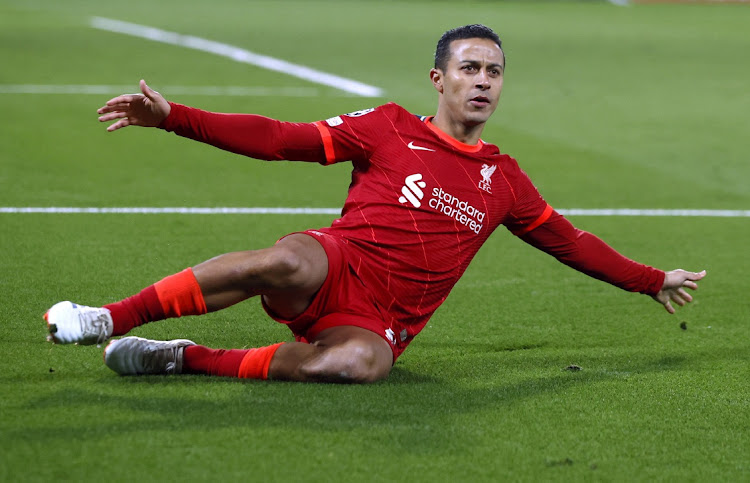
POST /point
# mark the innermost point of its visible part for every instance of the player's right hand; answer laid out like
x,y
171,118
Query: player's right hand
x,y
148,109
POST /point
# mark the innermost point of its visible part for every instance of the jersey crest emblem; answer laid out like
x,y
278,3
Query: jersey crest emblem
x,y
486,182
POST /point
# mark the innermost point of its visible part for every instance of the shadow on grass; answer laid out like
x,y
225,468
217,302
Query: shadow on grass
x,y
412,403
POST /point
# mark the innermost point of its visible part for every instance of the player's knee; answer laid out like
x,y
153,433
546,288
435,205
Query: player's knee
x,y
282,268
286,264
353,363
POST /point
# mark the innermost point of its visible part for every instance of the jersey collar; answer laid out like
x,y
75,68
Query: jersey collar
x,y
467,148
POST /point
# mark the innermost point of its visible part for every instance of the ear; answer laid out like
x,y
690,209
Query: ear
x,y
436,76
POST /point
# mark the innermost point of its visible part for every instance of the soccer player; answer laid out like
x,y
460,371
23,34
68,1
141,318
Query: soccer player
x,y
426,193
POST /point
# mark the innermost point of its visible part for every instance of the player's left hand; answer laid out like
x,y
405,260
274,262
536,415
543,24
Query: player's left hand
x,y
673,289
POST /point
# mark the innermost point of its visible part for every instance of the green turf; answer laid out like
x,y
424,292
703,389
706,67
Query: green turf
x,y
605,107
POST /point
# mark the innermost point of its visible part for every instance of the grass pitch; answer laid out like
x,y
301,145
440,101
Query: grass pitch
x,y
605,107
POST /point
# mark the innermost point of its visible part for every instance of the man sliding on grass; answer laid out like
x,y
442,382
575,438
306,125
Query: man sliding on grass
x,y
426,193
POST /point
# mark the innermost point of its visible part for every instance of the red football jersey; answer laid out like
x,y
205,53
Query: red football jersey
x,y
421,204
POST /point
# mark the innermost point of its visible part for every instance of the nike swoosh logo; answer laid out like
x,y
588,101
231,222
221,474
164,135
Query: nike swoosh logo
x,y
413,146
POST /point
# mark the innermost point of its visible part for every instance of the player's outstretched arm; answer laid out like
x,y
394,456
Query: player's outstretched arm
x,y
148,109
674,286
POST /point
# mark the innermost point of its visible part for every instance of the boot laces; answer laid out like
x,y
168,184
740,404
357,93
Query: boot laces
x,y
94,322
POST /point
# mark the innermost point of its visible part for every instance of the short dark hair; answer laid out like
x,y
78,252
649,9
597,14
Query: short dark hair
x,y
474,31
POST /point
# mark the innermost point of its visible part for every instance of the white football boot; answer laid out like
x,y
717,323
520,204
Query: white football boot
x,y
70,323
136,355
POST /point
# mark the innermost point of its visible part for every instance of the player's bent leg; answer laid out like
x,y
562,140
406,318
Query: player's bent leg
x,y
288,275
343,354
290,272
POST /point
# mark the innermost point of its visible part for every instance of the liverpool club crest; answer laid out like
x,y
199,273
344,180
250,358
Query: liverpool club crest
x,y
486,182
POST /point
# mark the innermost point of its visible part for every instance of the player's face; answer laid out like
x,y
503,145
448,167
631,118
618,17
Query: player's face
x,y
472,81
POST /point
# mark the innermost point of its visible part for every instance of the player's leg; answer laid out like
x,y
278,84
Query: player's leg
x,y
342,324
341,354
289,274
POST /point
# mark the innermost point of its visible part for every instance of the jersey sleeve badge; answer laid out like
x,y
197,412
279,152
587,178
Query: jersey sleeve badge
x,y
361,112
334,121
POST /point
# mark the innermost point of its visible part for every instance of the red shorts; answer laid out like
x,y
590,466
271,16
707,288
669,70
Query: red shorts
x,y
343,299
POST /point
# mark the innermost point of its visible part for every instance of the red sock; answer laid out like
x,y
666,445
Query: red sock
x,y
242,363
198,359
256,362
174,296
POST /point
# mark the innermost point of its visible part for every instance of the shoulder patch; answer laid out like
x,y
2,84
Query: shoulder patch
x,y
335,121
360,112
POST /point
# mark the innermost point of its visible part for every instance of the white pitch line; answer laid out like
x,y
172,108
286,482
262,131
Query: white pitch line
x,y
176,210
237,54
655,212
337,211
237,91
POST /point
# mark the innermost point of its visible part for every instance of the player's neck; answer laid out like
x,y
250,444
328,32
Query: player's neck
x,y
467,134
